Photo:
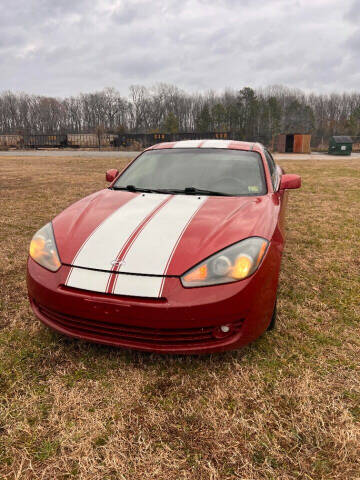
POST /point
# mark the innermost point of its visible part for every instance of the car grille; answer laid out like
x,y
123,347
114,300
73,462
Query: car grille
x,y
118,333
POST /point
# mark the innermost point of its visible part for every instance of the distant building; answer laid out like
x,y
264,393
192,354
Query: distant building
x,y
292,143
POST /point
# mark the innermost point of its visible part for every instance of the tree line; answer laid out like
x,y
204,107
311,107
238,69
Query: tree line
x,y
254,114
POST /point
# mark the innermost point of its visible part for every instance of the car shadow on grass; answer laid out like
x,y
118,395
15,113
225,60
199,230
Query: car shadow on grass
x,y
78,349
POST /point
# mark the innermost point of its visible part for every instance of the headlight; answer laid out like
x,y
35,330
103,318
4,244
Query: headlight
x,y
229,265
43,248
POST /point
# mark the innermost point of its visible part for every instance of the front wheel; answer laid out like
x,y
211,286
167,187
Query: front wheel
x,y
273,318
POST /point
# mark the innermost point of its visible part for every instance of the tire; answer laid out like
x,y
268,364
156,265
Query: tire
x,y
273,318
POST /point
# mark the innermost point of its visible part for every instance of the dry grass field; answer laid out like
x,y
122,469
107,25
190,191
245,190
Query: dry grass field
x,y
286,407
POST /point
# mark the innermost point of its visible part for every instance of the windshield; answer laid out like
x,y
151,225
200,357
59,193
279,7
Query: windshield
x,y
228,172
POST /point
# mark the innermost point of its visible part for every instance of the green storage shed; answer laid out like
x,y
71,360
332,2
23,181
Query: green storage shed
x,y
340,145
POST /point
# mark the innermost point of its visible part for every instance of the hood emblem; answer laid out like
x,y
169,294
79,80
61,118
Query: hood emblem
x,y
118,263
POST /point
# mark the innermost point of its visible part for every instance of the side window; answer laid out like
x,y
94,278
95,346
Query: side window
x,y
272,169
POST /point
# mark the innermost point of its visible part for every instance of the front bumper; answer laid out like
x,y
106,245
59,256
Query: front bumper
x,y
185,320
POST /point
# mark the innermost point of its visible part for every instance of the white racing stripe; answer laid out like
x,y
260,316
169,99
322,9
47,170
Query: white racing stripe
x,y
104,244
187,144
202,144
144,265
137,285
132,285
88,280
154,246
216,144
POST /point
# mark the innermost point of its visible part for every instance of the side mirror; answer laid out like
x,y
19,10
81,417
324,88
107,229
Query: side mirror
x,y
111,175
290,180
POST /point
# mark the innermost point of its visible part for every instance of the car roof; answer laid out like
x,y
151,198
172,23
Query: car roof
x,y
210,143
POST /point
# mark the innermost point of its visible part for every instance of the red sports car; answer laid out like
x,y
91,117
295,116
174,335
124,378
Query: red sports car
x,y
180,254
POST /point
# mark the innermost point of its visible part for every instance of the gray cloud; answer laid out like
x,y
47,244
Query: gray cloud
x,y
62,48
352,14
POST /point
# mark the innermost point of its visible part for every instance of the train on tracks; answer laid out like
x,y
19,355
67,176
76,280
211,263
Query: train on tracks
x,y
137,141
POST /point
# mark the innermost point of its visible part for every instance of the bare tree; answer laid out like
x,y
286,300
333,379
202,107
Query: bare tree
x,y
251,113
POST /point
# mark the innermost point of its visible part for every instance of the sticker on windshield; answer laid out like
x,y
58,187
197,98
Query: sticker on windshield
x,y
253,188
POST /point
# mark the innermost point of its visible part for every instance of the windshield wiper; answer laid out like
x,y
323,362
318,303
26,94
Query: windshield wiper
x,y
204,191
186,190
132,188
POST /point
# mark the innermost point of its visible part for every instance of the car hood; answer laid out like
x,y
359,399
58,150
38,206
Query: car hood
x,y
157,234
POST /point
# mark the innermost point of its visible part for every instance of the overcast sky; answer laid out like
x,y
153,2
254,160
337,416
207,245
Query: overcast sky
x,y
63,47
